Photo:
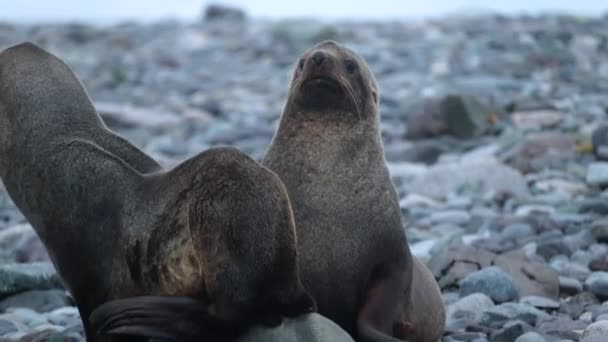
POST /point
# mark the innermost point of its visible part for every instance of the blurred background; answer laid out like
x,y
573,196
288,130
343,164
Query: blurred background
x,y
493,120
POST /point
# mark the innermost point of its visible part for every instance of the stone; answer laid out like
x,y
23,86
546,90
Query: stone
x,y
222,12
562,326
575,306
490,176
41,301
540,151
536,119
15,278
570,286
530,336
476,304
7,327
424,119
540,302
309,328
599,141
595,332
597,174
597,283
497,316
491,281
301,33
466,116
511,331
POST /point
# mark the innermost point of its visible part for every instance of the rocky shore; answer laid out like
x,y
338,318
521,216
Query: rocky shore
x,y
494,130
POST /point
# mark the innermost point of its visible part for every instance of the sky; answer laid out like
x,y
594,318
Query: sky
x,y
102,11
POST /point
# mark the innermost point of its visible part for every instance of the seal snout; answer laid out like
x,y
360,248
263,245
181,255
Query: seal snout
x,y
318,57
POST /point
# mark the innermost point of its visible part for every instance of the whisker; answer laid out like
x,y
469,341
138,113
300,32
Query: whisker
x,y
351,93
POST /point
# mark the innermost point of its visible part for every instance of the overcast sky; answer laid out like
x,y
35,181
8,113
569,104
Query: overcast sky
x,y
114,10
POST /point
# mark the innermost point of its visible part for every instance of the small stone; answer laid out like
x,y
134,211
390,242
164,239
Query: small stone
x,y
476,304
595,332
597,174
41,301
575,306
570,285
536,119
497,316
530,336
222,12
597,283
310,328
7,327
511,331
491,281
540,302
15,278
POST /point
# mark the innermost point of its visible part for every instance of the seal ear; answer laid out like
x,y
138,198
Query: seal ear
x,y
177,318
375,95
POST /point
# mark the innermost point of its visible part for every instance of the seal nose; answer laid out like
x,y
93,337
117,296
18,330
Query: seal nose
x,y
318,58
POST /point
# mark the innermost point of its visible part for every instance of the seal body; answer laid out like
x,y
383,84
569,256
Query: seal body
x,y
353,252
213,238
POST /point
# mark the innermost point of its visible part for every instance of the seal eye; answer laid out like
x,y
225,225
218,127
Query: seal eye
x,y
301,64
350,65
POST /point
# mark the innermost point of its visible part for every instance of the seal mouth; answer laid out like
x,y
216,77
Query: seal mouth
x,y
322,81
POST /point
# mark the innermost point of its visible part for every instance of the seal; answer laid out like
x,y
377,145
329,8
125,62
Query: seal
x,y
212,239
353,253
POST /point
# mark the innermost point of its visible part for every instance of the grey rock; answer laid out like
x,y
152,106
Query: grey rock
x,y
597,174
597,283
491,281
575,306
466,116
570,285
530,337
301,33
480,176
222,12
595,332
41,301
15,278
599,140
475,304
7,327
309,328
540,151
511,331
497,316
540,302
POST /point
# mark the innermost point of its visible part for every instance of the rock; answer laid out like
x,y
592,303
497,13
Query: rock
x,y
122,116
597,283
530,337
569,286
452,264
41,301
456,217
551,248
540,302
489,176
575,306
599,141
595,332
31,249
541,151
491,281
599,230
15,278
425,120
597,174
536,119
7,327
302,33
511,331
497,316
476,304
466,116
222,12
309,328
560,326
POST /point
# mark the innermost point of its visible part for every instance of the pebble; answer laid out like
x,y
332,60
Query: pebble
x,y
530,336
597,282
491,281
595,332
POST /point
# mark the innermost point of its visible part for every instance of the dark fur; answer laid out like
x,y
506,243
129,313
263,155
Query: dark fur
x,y
218,228
353,253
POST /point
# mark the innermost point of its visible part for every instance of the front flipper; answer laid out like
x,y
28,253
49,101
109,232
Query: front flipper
x,y
176,318
380,317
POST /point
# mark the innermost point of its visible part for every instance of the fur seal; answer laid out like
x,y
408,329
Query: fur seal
x,y
211,241
353,253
